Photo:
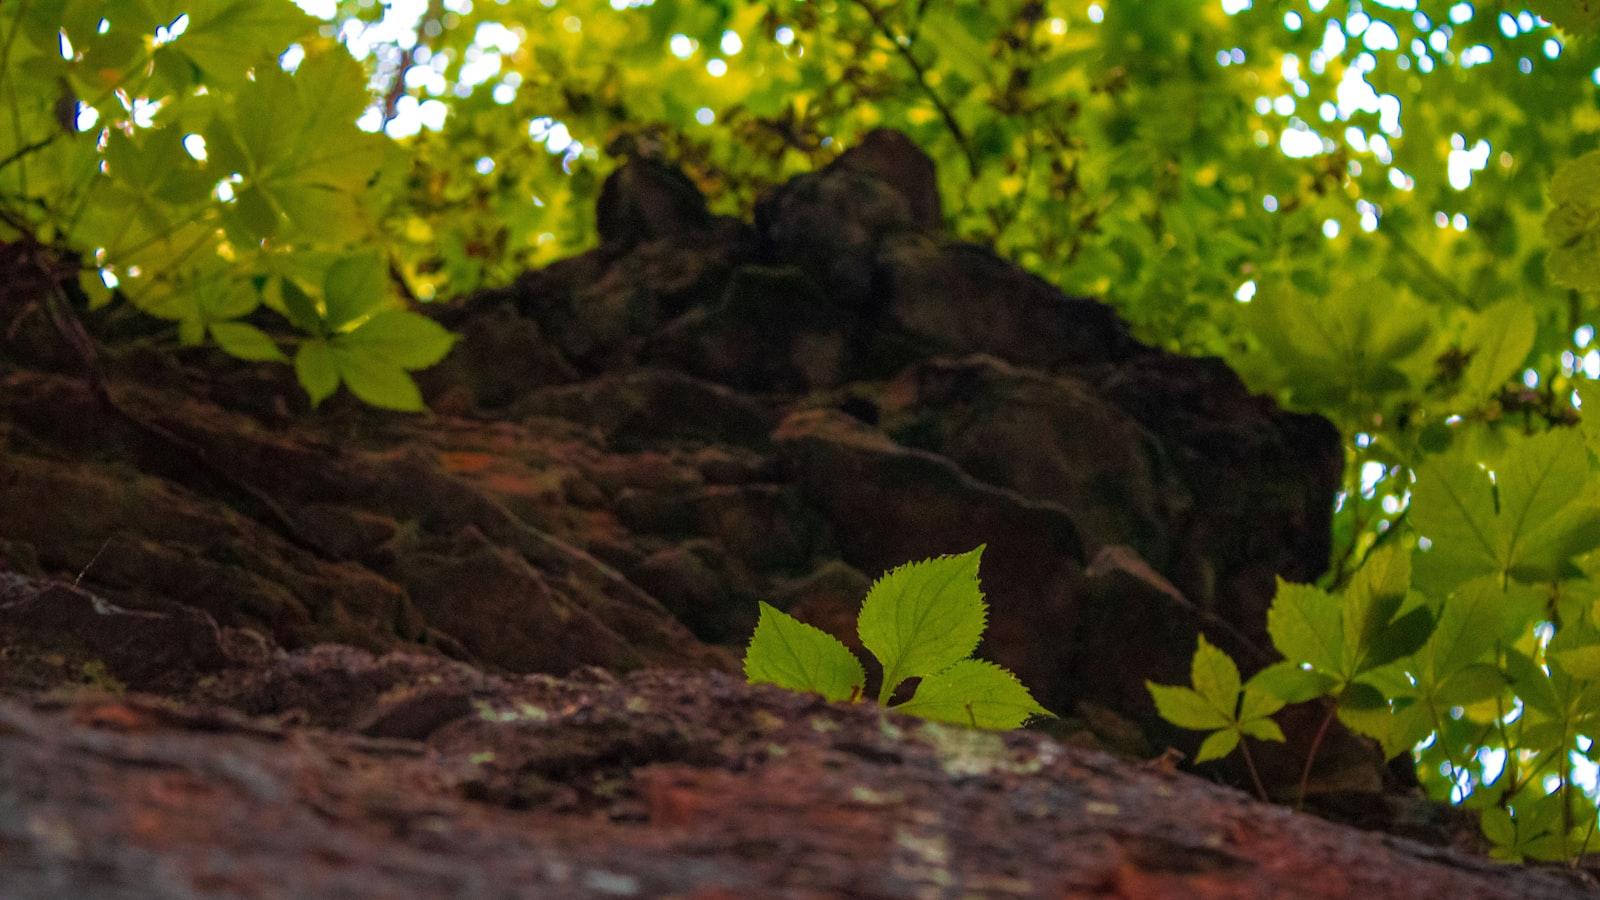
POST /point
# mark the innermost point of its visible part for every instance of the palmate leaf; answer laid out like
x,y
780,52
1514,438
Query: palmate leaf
x,y
1305,624
1215,677
922,617
791,654
976,693
1217,703
1357,338
305,165
1500,339
1186,708
1548,512
1573,226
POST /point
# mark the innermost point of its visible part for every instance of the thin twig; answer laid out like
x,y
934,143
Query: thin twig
x,y
903,47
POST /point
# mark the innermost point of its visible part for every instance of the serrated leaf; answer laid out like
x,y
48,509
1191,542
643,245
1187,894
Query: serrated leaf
x,y
1305,625
1370,602
406,339
1572,227
1262,730
1470,622
245,341
1397,731
791,654
1538,477
1185,708
1217,745
317,370
922,617
975,693
1290,683
1471,684
1532,683
1500,340
355,286
376,382
1400,638
1215,676
1453,507
1329,346
220,33
1256,704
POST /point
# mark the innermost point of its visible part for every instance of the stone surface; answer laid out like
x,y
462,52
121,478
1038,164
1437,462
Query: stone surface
x,y
332,773
628,449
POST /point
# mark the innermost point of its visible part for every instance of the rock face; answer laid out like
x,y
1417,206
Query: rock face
x,y
634,445
406,776
628,450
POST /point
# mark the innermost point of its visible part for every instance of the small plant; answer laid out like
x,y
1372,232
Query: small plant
x,y
1220,704
921,620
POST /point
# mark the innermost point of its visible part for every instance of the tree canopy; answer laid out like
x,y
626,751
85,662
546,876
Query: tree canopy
x,y
1383,211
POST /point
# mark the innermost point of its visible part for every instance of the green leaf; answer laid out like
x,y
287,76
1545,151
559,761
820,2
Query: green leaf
x,y
1217,746
1290,683
1582,663
1262,730
975,693
1370,602
1401,638
1500,339
922,617
1471,684
1471,621
1255,704
1538,477
355,286
317,370
376,382
1589,397
1215,677
220,33
1572,227
1185,708
1532,683
1333,346
789,653
1453,507
245,341
406,339
1305,625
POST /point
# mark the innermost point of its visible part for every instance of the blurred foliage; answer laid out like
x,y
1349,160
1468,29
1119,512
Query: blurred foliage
x,y
1383,211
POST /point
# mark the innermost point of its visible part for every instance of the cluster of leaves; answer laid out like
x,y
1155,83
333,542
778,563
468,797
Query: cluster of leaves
x,y
204,159
921,620
1481,647
1135,151
1387,213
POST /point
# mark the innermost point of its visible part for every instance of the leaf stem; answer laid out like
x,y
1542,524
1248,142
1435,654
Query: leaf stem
x,y
1250,766
1311,756
903,47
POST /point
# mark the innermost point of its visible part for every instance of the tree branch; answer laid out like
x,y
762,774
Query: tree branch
x,y
903,47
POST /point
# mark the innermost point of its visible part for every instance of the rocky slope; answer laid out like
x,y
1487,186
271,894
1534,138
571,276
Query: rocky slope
x,y
366,627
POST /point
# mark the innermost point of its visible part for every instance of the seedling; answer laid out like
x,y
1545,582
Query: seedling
x,y
921,620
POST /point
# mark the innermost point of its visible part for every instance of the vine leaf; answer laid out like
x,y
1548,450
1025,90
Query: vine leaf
x,y
791,654
1218,703
922,617
1547,512
1573,226
974,692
